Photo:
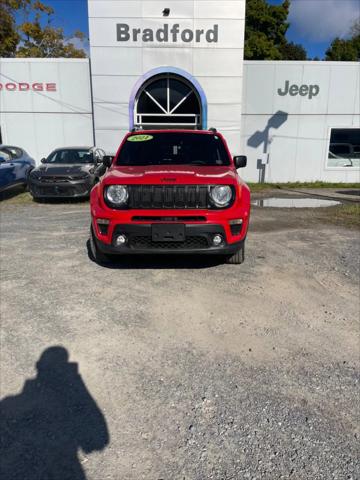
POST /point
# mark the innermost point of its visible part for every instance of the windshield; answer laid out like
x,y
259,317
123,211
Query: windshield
x,y
173,149
13,152
70,156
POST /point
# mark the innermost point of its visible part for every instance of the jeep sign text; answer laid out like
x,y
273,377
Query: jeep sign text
x,y
166,34
304,90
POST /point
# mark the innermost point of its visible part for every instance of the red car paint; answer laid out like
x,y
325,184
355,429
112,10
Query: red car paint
x,y
171,175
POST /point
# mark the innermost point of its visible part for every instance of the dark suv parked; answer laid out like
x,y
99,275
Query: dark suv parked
x,y
67,172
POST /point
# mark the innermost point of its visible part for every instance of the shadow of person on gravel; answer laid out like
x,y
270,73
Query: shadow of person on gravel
x,y
42,428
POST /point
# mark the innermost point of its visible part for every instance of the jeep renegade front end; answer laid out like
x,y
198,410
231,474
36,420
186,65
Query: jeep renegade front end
x,y
171,191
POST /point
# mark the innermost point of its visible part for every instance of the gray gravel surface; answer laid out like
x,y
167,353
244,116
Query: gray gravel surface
x,y
190,369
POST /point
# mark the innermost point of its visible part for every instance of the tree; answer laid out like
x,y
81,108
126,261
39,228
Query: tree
x,y
293,51
47,42
346,50
35,36
266,27
9,37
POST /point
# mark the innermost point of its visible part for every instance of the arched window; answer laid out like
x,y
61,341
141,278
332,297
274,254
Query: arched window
x,y
167,101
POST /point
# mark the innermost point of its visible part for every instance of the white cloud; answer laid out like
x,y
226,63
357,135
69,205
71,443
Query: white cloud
x,y
78,43
323,20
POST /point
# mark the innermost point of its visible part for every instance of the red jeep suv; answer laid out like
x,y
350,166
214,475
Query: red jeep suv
x,y
170,191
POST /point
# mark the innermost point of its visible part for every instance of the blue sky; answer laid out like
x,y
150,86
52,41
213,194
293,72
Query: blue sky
x,y
70,14
314,23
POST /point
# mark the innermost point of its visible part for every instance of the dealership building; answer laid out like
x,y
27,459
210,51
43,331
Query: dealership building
x,y
179,64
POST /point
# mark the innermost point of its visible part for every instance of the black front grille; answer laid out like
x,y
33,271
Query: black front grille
x,y
54,179
55,190
168,196
146,242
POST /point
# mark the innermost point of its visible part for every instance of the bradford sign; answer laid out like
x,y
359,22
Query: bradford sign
x,y
309,91
25,87
166,34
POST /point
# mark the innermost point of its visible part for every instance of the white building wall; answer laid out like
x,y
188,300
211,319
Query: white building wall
x,y
117,66
41,120
291,133
295,146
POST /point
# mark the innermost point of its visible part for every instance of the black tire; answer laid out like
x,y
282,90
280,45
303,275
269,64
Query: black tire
x,y
99,257
238,257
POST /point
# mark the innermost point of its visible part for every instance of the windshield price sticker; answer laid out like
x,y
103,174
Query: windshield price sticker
x,y
140,138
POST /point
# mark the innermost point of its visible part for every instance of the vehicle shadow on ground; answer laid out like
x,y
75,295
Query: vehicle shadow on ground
x,y
12,192
60,201
160,262
43,427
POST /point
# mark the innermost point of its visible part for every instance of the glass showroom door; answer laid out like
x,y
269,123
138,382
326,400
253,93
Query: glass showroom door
x,y
167,101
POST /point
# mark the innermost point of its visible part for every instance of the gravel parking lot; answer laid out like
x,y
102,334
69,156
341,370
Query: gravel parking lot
x,y
190,369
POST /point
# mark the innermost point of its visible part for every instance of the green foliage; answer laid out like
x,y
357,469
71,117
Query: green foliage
x,y
9,37
259,47
293,51
35,36
346,50
342,50
266,27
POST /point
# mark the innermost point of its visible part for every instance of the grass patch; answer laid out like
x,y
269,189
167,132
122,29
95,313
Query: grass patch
x,y
16,198
347,215
260,187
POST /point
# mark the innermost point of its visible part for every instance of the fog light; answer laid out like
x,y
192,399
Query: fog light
x,y
120,240
217,240
239,221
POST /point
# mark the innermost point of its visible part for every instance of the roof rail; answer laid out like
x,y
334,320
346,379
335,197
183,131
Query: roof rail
x,y
212,129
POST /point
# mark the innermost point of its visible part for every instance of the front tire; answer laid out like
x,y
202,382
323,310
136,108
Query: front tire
x,y
238,257
99,257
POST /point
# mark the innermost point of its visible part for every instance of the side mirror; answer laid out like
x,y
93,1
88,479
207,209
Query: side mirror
x,y
107,160
240,161
43,160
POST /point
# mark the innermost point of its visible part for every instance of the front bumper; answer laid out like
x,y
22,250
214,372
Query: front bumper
x,y
69,189
198,240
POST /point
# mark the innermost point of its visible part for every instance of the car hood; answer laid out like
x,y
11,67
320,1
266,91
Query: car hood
x,y
73,170
163,174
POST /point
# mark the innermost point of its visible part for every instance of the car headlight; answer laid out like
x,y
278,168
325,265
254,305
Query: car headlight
x,y
117,195
221,195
